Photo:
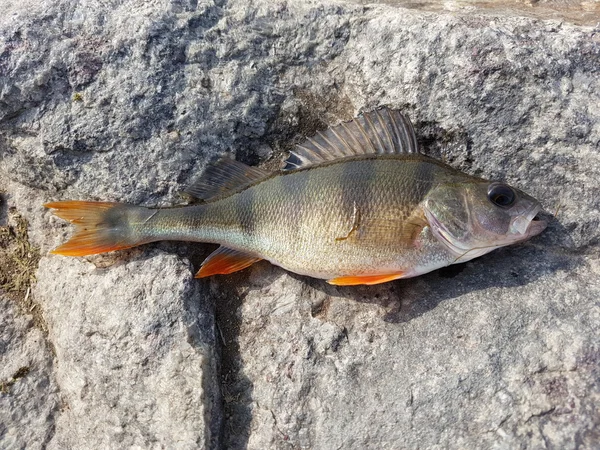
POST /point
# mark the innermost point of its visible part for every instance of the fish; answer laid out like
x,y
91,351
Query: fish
x,y
358,203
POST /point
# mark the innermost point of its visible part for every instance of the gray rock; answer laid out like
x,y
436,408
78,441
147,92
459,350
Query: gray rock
x,y
134,349
491,357
127,103
29,399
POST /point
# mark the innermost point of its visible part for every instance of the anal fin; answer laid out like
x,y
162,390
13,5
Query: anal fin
x,y
365,279
225,260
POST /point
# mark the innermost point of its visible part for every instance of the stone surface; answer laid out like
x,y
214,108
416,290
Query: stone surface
x,y
135,362
580,12
127,102
29,395
501,355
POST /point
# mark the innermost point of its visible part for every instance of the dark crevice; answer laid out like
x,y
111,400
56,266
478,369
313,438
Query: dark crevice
x,y
230,414
203,336
236,388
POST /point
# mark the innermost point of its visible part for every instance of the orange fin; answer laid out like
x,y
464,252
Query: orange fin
x,y
100,227
365,279
79,212
225,260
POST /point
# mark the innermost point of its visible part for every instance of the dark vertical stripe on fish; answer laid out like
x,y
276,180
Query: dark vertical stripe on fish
x,y
425,177
351,183
294,187
245,211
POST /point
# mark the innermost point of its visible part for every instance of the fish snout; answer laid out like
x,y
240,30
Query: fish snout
x,y
528,225
536,224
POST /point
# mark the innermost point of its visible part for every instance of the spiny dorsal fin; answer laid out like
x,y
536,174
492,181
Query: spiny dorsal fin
x,y
225,260
224,176
382,131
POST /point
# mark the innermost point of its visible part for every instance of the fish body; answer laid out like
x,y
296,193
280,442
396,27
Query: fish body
x,y
357,204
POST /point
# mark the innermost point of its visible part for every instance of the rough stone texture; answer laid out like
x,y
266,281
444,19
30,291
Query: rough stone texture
x,y
582,12
127,101
132,355
29,400
503,355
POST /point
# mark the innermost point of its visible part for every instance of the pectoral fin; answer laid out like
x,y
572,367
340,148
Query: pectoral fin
x,y
365,279
225,260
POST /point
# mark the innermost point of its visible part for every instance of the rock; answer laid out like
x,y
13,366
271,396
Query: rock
x,y
502,355
129,103
29,395
580,12
135,353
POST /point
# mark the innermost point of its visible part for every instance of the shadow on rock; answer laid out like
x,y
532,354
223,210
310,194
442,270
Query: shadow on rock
x,y
507,267
200,307
3,210
231,418
236,388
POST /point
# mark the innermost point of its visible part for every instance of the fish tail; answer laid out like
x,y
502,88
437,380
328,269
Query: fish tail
x,y
101,226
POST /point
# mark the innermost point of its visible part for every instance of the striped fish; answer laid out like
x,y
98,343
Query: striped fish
x,y
355,204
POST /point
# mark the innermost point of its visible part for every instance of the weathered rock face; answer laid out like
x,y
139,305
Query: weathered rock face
x,y
29,395
128,102
137,362
579,12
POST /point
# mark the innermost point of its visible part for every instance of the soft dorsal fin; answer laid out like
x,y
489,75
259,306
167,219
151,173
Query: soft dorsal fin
x,y
382,131
224,176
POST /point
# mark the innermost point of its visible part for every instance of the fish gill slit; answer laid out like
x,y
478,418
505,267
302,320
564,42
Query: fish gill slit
x,y
470,250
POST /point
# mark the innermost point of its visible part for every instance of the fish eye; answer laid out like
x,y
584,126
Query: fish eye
x,y
501,195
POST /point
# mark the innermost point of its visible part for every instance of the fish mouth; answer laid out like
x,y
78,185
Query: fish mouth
x,y
529,225
522,227
536,226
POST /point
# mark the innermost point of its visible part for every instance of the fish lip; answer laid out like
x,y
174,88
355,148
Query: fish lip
x,y
536,226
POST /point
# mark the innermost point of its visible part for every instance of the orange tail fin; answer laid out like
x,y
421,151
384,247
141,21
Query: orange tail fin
x,y
100,226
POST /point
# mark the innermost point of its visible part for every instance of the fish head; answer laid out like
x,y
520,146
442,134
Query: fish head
x,y
473,218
